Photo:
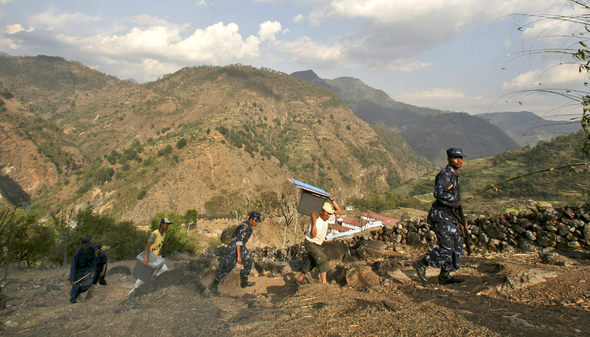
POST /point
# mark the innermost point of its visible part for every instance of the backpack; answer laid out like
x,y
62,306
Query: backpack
x,y
228,234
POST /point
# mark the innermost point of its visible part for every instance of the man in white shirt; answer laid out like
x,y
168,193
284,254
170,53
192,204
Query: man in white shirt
x,y
314,238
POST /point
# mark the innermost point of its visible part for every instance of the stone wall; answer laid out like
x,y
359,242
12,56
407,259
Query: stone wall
x,y
530,230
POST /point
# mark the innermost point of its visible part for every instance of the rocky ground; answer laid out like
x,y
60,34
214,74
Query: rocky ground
x,y
376,295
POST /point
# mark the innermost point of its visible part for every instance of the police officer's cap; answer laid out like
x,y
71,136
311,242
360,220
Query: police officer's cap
x,y
455,152
165,220
254,216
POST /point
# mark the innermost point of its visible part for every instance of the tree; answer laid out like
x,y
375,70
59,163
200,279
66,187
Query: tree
x,y
63,228
288,211
190,218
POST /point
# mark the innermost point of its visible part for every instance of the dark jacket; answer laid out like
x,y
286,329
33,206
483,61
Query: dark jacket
x,y
100,261
242,234
447,193
82,263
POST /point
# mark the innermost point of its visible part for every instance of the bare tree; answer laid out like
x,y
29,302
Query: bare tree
x,y
579,51
63,227
287,209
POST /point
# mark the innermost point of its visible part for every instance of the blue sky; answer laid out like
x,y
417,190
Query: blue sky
x,y
455,55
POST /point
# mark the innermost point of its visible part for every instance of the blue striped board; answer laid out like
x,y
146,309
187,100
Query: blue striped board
x,y
310,188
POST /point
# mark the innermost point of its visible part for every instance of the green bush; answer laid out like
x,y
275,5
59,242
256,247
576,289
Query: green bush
x,y
165,151
176,239
181,143
122,238
377,202
22,239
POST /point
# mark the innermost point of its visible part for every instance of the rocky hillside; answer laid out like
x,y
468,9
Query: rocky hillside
x,y
488,187
205,138
428,131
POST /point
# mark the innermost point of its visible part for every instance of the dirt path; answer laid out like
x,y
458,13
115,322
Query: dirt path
x,y
556,302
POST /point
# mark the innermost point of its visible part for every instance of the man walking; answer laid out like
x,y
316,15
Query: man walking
x,y
445,222
81,269
236,252
154,245
314,238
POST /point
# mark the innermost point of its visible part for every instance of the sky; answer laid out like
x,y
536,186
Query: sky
x,y
469,56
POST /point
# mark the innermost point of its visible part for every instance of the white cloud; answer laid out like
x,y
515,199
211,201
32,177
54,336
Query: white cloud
x,y
217,44
13,29
446,100
51,19
160,48
402,29
563,76
268,30
298,18
201,3
408,65
306,50
4,2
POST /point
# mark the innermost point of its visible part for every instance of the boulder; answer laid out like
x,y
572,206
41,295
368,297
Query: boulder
x,y
335,250
526,245
273,267
374,248
362,277
413,238
544,205
546,239
524,278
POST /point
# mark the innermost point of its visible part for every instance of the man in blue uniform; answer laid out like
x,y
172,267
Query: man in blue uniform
x,y
445,222
81,269
100,269
236,252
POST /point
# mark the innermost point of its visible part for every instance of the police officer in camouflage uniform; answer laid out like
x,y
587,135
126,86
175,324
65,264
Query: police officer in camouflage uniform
x,y
236,252
445,222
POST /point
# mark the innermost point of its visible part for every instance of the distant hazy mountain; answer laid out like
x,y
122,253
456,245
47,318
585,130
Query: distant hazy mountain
x,y
526,128
428,131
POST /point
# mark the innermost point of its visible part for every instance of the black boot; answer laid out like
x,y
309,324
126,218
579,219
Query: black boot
x,y
213,287
244,281
420,266
445,278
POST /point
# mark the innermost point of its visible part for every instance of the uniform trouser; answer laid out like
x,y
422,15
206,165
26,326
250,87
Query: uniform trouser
x,y
231,258
447,255
315,258
99,279
156,273
81,286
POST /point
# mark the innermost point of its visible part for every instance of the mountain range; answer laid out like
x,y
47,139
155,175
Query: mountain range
x,y
430,131
214,139
207,138
527,128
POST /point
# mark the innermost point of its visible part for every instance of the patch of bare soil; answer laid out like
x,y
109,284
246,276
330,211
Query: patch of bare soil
x,y
503,294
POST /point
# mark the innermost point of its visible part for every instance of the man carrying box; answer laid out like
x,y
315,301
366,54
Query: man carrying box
x,y
154,245
314,238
